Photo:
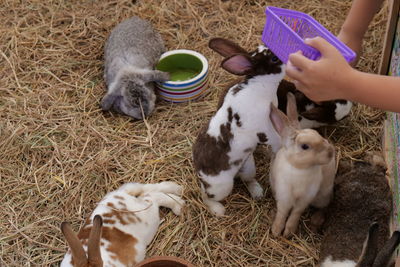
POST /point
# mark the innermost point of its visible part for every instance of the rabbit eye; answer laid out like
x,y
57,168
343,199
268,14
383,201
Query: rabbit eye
x,y
305,146
274,59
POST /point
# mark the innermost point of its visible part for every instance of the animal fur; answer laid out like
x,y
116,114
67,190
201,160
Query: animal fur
x,y
224,147
130,217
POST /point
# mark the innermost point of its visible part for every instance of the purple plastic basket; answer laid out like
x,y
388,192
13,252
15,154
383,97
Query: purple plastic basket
x,y
285,31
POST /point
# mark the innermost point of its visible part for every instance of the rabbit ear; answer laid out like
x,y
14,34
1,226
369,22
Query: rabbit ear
x,y
75,245
108,101
156,76
370,247
94,255
225,47
291,111
385,255
238,65
279,120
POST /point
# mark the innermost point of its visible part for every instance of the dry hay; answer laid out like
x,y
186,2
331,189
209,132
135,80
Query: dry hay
x,y
60,154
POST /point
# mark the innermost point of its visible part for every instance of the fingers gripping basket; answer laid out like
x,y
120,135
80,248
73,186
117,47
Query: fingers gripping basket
x,y
285,31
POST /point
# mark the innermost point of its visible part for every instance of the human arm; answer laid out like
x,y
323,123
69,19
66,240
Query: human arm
x,y
356,23
331,77
376,91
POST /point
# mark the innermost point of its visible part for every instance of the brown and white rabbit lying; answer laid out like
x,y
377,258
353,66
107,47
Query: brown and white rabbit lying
x,y
362,197
311,114
131,53
224,147
121,226
302,172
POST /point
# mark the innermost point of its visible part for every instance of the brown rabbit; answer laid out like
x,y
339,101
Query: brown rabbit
x,y
362,201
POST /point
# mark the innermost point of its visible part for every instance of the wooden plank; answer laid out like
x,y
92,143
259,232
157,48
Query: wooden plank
x,y
394,7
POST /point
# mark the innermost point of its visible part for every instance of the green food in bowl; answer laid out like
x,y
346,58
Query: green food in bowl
x,y
181,67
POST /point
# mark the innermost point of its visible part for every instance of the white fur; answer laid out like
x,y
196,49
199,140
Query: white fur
x,y
342,110
144,201
252,103
329,263
309,106
295,189
262,48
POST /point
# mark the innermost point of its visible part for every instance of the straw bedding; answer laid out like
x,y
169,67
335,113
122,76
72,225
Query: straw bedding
x,y
59,154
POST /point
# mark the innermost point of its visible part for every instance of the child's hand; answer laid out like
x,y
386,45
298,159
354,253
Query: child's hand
x,y
324,79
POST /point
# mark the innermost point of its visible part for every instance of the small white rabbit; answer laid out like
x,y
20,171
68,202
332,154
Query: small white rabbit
x,y
224,147
131,53
122,225
362,201
302,172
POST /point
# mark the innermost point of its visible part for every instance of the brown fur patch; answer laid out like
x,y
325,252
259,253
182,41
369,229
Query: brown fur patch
x,y
119,197
123,204
237,118
122,245
210,155
110,204
124,217
83,234
109,221
210,195
262,137
205,184
283,89
237,89
230,114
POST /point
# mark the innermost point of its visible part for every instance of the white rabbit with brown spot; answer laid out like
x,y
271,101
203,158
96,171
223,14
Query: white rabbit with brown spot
x,y
121,226
302,172
131,53
224,147
356,230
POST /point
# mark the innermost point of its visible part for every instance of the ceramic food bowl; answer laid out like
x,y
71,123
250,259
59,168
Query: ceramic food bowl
x,y
164,261
189,72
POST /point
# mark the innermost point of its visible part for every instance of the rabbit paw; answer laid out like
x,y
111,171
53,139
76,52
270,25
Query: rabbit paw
x,y
255,190
179,204
171,188
277,229
216,208
317,220
289,230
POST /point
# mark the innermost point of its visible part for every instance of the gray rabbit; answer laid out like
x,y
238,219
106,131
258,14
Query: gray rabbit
x,y
131,53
